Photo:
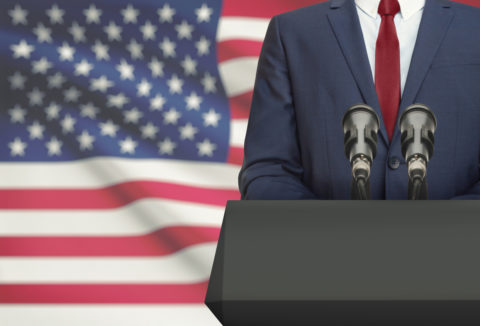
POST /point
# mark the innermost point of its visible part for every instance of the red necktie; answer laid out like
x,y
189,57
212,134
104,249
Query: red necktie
x,y
387,65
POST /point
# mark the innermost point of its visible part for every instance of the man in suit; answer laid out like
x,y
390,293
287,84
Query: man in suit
x,y
318,61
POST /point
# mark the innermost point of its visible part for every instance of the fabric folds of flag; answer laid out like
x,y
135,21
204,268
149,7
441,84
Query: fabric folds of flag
x,y
122,129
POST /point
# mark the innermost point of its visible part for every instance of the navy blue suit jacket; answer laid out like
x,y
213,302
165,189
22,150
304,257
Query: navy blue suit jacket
x,y
314,66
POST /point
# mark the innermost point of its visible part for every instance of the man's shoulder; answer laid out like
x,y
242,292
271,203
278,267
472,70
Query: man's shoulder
x,y
466,10
463,7
467,18
301,21
306,14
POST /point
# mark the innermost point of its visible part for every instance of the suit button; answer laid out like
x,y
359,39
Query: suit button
x,y
393,163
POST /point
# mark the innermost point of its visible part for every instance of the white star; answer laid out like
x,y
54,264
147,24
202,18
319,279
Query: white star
x,y
86,141
108,129
168,47
56,81
157,103
55,14
117,101
203,46
66,52
125,70
19,15
43,33
189,66
171,117
114,32
143,89
35,97
193,101
17,80
211,118
92,14
156,67
132,116
83,68
17,114
130,15
149,131
36,130
68,124
175,84
41,66
22,50
166,13
184,30
52,111
54,147
89,110
17,147
206,148
203,13
188,131
101,84
127,146
209,83
101,51
72,94
148,30
135,49
166,146
78,32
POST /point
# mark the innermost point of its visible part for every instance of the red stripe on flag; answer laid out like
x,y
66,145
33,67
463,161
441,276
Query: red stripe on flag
x,y
102,293
238,48
111,197
235,155
263,8
159,243
240,105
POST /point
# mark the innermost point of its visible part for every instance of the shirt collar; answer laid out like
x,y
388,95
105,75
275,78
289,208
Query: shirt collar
x,y
407,7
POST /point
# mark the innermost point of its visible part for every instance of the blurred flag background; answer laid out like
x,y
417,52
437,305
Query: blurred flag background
x,y
121,134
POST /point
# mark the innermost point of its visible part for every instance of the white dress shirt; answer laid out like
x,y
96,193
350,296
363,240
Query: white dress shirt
x,y
406,21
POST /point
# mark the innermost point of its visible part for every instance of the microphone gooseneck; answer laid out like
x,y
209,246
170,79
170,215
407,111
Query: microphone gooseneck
x,y
360,127
417,126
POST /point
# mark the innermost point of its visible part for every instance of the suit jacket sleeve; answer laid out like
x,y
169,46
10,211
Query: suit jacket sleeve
x,y
472,193
272,167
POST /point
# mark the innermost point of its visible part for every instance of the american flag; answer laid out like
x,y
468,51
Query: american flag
x,y
122,126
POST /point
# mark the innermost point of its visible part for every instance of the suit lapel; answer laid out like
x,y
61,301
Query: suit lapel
x,y
344,21
436,19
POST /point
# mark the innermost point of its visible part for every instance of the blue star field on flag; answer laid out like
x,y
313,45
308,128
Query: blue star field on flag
x,y
136,79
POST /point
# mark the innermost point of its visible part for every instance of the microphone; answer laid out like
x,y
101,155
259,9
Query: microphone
x,y
360,127
417,126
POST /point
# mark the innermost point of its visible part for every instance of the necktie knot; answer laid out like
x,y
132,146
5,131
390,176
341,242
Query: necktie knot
x,y
388,7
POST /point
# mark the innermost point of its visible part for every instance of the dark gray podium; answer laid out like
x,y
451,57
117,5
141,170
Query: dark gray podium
x,y
346,263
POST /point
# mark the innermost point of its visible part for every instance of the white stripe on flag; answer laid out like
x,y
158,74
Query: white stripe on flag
x,y
138,218
242,28
102,172
238,130
190,265
107,315
238,75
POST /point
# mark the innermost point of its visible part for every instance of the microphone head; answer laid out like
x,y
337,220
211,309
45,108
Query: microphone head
x,y
360,127
417,126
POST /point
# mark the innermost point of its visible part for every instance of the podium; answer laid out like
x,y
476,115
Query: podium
x,y
347,263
